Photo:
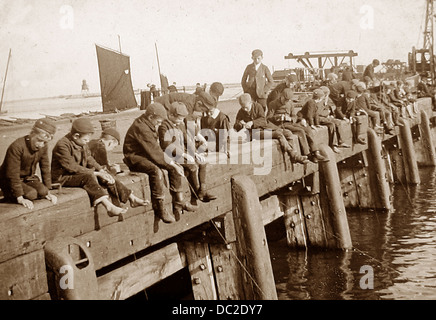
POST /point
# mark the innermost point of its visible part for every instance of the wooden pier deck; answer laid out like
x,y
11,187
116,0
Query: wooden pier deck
x,y
117,259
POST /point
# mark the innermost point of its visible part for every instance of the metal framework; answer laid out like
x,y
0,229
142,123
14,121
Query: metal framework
x,y
304,59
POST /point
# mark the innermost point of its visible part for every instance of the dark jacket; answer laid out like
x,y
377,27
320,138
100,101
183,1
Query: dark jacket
x,y
276,92
20,164
142,141
347,110
188,99
339,88
259,81
98,152
310,112
69,158
369,72
222,121
257,115
179,140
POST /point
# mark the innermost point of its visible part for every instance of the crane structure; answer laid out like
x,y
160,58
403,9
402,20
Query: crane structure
x,y
423,60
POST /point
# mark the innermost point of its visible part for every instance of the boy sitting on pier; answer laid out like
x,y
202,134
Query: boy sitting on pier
x,y
175,142
348,112
251,116
18,180
142,153
99,148
280,113
73,166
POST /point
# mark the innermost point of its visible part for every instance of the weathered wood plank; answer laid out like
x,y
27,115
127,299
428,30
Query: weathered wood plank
x,y
314,221
271,209
201,270
227,271
130,279
293,219
23,277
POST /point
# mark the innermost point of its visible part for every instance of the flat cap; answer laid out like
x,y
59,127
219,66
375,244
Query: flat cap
x,y
207,100
178,109
317,94
156,109
112,132
46,125
351,94
257,53
217,87
82,125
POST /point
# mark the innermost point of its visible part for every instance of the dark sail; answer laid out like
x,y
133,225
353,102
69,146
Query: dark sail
x,y
115,81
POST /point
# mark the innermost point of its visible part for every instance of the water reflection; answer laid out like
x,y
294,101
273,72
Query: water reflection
x,y
399,246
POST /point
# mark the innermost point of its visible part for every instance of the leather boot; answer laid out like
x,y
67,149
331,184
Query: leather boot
x,y
204,195
319,157
161,212
295,157
180,203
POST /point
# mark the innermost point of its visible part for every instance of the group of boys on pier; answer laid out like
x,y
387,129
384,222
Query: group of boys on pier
x,y
170,136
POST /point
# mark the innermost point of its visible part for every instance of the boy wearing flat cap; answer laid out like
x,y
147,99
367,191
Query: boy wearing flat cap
x,y
18,179
251,116
73,166
215,120
348,112
289,82
175,142
142,153
257,79
99,148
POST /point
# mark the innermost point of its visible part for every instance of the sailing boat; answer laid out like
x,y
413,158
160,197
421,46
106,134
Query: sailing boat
x,y
4,82
115,80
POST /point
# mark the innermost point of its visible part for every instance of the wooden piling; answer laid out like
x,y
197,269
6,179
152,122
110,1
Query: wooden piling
x,y
428,157
408,155
329,170
378,180
252,243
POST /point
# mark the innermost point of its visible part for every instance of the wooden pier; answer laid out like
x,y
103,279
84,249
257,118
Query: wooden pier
x,y
71,251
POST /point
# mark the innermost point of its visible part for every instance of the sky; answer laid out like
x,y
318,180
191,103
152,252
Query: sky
x,y
53,41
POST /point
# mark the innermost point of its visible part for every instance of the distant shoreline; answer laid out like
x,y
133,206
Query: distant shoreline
x,y
98,94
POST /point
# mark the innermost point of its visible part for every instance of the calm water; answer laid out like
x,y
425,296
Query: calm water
x,y
399,246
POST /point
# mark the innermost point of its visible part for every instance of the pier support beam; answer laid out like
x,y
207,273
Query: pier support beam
x,y
427,148
378,179
252,243
409,157
333,194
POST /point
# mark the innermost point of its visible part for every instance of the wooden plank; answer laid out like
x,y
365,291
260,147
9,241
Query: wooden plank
x,y
130,279
44,296
200,269
293,219
348,187
271,209
363,187
23,277
327,215
397,165
23,231
314,221
227,270
118,240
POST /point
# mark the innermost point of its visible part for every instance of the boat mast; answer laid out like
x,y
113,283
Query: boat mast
x,y
119,42
4,82
158,65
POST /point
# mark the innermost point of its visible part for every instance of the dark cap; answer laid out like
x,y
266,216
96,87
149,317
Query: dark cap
x,y
217,87
178,109
156,109
82,125
351,94
376,61
288,94
257,53
208,101
112,132
46,125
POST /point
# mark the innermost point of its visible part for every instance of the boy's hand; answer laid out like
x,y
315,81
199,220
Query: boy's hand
x,y
52,198
200,159
25,202
106,176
